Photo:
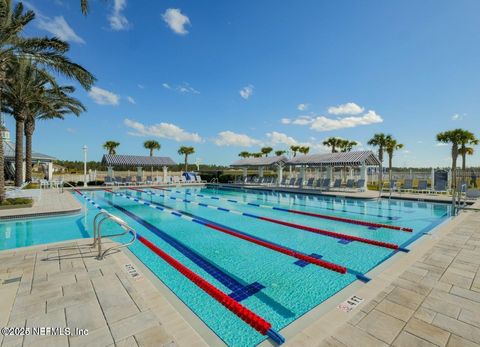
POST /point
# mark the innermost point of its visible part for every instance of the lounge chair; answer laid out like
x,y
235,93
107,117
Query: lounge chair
x,y
199,179
175,179
299,182
291,183
310,183
360,184
318,183
472,194
337,184
118,181
325,184
283,181
139,180
440,187
407,186
422,187
128,181
350,184
393,185
108,181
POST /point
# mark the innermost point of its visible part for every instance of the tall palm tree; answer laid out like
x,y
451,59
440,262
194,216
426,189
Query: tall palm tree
x,y
257,155
346,145
304,150
333,142
390,147
469,139
294,149
151,145
48,52
244,154
379,140
111,147
266,150
186,151
280,152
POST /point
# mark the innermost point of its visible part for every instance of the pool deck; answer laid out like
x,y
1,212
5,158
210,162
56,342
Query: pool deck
x,y
63,285
428,297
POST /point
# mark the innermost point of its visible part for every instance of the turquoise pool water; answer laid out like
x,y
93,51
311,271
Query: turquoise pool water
x,y
285,289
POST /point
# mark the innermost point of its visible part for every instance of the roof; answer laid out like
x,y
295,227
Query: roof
x,y
356,158
136,160
9,153
262,161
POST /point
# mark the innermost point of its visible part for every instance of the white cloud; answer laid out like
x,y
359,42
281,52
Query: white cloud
x,y
441,144
71,130
285,121
117,20
141,86
246,92
176,20
166,86
277,139
131,100
59,27
458,116
303,107
323,123
163,130
348,108
183,88
229,138
303,120
103,97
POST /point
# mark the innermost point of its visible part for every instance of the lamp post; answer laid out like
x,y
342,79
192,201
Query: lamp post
x,y
85,165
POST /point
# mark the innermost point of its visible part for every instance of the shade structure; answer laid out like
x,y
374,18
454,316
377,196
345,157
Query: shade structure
x,y
355,158
260,162
136,161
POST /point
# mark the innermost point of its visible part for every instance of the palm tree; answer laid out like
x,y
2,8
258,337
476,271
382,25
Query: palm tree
x,y
48,52
333,142
111,147
346,145
266,150
84,6
304,150
151,145
391,146
186,151
469,139
294,149
379,140
280,152
257,155
244,154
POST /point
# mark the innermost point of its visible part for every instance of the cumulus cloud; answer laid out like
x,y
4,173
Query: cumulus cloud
x,y
458,116
163,130
117,20
176,20
348,108
323,123
246,92
59,27
303,120
302,107
103,97
285,121
229,138
131,100
275,138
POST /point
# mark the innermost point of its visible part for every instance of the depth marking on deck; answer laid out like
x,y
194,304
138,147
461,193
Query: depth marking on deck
x,y
350,304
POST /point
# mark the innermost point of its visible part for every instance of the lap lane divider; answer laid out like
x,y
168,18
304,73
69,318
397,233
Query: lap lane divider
x,y
310,214
218,226
241,235
245,314
291,225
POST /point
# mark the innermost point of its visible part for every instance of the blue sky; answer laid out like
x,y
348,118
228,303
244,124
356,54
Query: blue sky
x,y
228,76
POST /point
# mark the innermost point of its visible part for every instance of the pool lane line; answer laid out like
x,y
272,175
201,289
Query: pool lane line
x,y
241,235
310,214
296,226
251,318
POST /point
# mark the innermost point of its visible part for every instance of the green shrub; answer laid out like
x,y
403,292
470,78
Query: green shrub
x,y
17,201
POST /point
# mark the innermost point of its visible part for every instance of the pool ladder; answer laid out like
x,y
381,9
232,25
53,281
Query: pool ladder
x,y
98,221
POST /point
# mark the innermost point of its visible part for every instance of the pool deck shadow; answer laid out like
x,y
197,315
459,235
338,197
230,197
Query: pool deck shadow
x,y
64,285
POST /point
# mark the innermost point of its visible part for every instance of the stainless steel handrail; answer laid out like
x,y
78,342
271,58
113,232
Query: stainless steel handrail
x,y
98,221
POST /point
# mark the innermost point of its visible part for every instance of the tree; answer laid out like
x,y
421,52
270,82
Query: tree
x,y
390,147
333,142
280,152
465,148
346,145
151,145
257,155
266,150
111,147
294,149
379,140
244,154
47,52
186,151
304,150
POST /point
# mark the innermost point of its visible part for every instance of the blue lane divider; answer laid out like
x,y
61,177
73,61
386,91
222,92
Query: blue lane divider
x,y
224,278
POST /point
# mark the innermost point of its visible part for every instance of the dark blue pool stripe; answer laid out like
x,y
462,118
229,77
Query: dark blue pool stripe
x,y
228,281
303,263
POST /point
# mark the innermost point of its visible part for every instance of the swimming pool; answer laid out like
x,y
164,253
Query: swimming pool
x,y
232,237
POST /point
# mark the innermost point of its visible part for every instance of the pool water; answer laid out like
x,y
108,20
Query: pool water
x,y
276,286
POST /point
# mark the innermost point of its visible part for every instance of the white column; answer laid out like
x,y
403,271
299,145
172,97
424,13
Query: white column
x,y
279,174
432,178
24,172
302,174
244,174
50,171
316,173
140,172
110,171
329,173
260,171
165,170
363,174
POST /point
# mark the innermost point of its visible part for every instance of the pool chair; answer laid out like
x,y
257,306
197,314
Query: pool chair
x,y
128,181
108,181
118,181
291,183
175,180
325,184
139,180
199,179
167,180
149,180
158,180
310,183
422,187
337,184
472,194
183,180
393,186
299,182
440,187
407,186
318,183
350,184
360,185
283,181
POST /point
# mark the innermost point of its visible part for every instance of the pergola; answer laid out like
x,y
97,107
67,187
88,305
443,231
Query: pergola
x,y
137,161
361,159
261,163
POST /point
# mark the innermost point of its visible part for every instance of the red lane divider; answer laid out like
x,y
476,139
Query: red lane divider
x,y
249,317
292,253
333,234
277,248
352,221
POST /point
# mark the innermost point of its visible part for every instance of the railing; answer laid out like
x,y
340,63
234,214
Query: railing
x,y
98,221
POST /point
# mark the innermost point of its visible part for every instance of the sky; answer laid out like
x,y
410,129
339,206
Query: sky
x,y
232,76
